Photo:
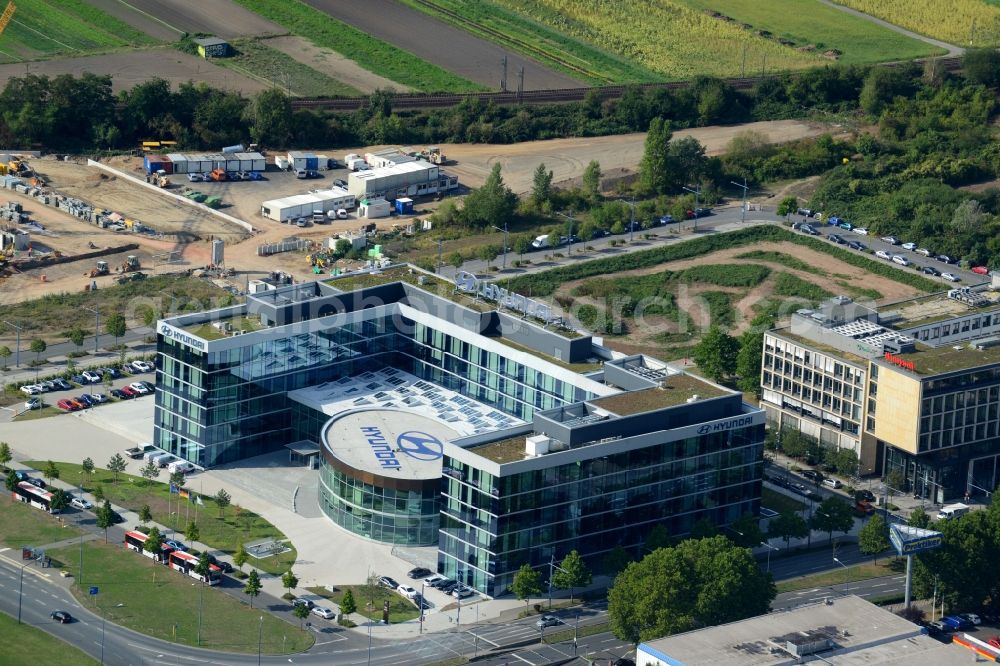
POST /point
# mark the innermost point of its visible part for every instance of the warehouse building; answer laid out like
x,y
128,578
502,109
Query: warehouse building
x,y
407,179
304,205
913,388
458,414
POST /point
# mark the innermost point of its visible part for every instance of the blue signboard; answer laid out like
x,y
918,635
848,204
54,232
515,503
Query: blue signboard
x,y
908,540
93,590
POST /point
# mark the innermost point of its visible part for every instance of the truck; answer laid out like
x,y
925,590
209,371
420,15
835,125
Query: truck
x,y
356,164
953,511
137,452
218,175
541,242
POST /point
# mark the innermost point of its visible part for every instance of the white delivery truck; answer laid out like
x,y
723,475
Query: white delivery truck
x,y
541,242
182,466
953,511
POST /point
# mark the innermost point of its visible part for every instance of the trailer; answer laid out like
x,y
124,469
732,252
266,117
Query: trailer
x,y
305,205
298,159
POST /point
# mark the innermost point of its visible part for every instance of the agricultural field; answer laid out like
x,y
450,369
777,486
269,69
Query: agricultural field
x,y
46,28
956,21
531,38
256,59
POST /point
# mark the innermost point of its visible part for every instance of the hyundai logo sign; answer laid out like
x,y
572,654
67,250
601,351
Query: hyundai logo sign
x,y
171,333
420,446
704,429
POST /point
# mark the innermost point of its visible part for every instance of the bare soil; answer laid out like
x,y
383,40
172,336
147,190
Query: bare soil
x,y
448,47
168,20
333,64
129,68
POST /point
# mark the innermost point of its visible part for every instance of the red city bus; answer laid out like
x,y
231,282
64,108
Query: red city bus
x,y
36,497
186,562
136,541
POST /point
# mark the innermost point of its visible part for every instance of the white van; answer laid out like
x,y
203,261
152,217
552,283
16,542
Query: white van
x,y
830,482
953,511
182,466
149,456
163,459
541,242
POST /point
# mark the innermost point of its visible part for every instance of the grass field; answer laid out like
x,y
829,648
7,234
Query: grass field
x,y
839,577
23,525
254,58
223,534
400,609
811,23
143,595
24,644
536,40
780,502
950,22
42,28
374,55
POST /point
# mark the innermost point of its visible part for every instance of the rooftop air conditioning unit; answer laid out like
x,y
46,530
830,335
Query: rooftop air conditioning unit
x,y
537,445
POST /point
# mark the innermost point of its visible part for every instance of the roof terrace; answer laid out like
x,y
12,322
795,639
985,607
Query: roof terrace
x,y
674,390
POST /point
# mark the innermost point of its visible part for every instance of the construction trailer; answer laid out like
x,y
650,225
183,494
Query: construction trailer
x,y
204,162
374,208
212,47
301,160
387,158
305,205
409,179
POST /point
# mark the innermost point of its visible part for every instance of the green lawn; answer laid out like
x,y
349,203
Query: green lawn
x,y
780,502
44,412
23,525
374,55
64,27
400,609
222,534
838,577
140,594
810,22
24,644
568,634
254,58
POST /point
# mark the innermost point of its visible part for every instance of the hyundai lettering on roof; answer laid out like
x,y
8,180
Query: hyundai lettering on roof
x,y
176,334
380,447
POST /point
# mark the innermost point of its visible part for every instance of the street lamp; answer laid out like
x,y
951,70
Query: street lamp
x,y
569,236
458,614
847,569
20,590
631,225
260,635
97,324
697,198
552,567
743,214
769,549
17,345
505,245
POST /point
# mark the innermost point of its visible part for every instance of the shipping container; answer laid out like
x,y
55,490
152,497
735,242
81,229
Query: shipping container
x,y
304,205
302,160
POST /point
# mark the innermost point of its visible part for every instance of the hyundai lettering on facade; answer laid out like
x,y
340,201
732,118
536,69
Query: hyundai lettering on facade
x,y
469,283
380,446
168,331
725,425
420,446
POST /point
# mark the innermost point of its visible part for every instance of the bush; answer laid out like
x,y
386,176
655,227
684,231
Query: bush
x,y
344,622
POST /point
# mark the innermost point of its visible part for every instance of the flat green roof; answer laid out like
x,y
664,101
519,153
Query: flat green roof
x,y
435,285
206,331
507,450
939,360
576,367
674,390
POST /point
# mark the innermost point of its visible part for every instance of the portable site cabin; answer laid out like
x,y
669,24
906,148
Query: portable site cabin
x,y
212,47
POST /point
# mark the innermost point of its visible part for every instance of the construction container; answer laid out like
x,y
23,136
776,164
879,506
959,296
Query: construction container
x,y
154,163
404,206
411,179
374,208
322,162
281,163
301,160
304,205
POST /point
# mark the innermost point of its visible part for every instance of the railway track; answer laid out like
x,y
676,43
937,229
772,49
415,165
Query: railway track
x,y
448,100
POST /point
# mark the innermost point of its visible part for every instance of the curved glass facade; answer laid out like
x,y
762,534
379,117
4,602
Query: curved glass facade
x,y
402,517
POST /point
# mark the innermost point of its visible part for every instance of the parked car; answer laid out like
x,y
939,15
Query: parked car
x,y
909,246
462,592
99,398
129,391
340,182
812,475
833,220
390,583
117,394
971,617
891,240
91,377
994,642
33,403
139,387
846,225
225,566
804,212
442,583
420,602
900,259
36,482
980,270
61,616
808,229
924,251
666,219
945,259
419,572
865,495
861,230
67,405
195,178
430,580
407,591
957,622
951,277
930,270
176,545
449,586
547,621
31,389
301,174
303,602
80,503
937,627
142,366
324,613
62,384
838,239
882,254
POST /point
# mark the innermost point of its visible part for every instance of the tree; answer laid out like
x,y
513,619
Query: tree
x,y
252,587
745,531
748,360
107,380
192,533
686,162
5,353
488,253
11,482
150,315
696,583
788,525
154,541
116,466
51,471
347,603
527,583
704,528
787,206
541,186
5,454
881,86
150,471
522,244
77,336
60,500
38,346
493,204
87,467
115,325
654,167
204,566
222,499
240,557
658,537
104,518
615,561
919,518
145,514
302,611
592,179
269,115
455,259
572,573
716,353
874,537
982,66
289,581
177,479
833,515
98,492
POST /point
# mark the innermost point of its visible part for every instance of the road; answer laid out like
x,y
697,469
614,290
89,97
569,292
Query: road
x,y
950,48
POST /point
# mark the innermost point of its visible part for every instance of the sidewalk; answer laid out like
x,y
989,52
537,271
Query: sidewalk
x,y
56,364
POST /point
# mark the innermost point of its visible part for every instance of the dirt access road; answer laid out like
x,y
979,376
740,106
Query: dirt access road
x,y
169,19
567,158
437,42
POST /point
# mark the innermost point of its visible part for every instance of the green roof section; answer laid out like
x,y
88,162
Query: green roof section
x,y
674,390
